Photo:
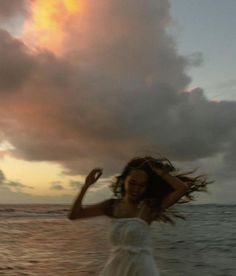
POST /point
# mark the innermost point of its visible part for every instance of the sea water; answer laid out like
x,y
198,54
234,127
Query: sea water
x,y
40,240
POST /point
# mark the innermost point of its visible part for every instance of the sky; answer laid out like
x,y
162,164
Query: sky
x,y
207,28
87,84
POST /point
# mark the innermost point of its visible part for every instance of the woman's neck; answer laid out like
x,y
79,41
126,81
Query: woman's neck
x,y
130,201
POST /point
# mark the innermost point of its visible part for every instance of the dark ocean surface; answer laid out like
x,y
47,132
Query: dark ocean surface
x,y
40,240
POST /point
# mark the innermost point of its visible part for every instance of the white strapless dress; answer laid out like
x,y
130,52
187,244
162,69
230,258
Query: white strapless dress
x,y
131,252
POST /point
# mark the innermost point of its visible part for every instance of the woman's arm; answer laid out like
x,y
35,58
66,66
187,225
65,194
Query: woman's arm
x,y
77,210
178,185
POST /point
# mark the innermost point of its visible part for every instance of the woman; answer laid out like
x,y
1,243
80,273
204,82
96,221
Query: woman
x,y
143,192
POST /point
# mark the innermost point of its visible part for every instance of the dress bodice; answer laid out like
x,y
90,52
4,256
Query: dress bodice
x,y
131,234
131,251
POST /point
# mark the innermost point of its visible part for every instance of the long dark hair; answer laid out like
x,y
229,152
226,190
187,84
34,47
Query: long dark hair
x,y
157,188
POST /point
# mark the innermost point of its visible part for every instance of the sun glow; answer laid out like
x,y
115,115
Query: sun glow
x,y
47,26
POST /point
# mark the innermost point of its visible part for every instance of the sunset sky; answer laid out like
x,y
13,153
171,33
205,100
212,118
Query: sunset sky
x,y
87,84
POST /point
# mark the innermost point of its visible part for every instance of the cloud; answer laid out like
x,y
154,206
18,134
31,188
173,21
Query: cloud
x,y
20,197
56,186
14,192
13,14
75,185
17,185
16,63
116,89
103,183
11,8
2,177
11,185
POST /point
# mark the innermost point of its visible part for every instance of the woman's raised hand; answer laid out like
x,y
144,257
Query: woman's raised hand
x,y
93,176
161,168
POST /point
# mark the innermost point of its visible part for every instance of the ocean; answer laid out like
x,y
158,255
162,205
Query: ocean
x,y
40,240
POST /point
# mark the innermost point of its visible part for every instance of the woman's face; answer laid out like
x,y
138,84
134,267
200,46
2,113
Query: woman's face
x,y
135,184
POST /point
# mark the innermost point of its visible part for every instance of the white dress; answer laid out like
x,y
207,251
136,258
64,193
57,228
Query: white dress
x,y
131,252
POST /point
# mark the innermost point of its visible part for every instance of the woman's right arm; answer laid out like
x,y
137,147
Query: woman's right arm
x,y
77,210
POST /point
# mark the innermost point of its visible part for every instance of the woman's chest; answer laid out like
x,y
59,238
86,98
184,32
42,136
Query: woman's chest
x,y
122,210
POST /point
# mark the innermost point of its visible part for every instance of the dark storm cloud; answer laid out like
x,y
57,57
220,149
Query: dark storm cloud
x,y
112,95
16,63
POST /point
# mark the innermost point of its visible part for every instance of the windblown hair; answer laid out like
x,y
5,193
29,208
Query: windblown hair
x,y
157,188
